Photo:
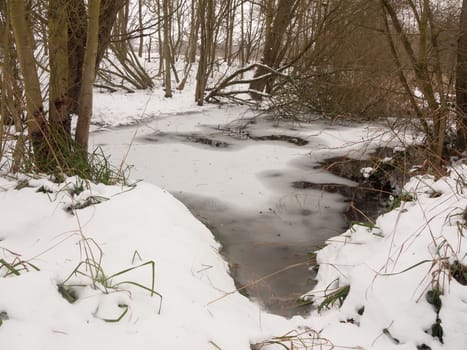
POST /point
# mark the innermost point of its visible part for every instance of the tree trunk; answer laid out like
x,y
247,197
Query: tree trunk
x,y
59,117
194,31
166,49
461,81
206,18
107,16
277,21
141,31
36,121
89,74
76,15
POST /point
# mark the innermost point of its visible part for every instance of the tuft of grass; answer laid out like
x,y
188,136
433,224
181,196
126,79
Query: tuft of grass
x,y
336,296
91,268
95,167
91,200
77,187
16,267
459,272
67,292
403,197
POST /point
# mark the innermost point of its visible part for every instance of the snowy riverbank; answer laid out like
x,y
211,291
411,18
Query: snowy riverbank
x,y
389,268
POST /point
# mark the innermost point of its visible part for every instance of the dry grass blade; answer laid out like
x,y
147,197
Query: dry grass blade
x,y
308,339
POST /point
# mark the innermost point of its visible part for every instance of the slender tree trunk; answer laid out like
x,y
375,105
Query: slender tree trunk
x,y
36,122
193,35
89,74
11,96
59,117
166,49
159,39
461,80
141,31
242,35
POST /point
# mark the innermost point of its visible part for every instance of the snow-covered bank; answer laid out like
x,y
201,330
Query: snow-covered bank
x,y
131,226
395,267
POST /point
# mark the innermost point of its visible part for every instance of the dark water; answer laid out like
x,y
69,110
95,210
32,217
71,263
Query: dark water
x,y
269,251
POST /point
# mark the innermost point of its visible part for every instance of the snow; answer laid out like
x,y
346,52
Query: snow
x,y
190,273
367,171
389,267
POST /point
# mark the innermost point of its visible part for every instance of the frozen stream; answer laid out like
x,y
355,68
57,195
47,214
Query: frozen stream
x,y
239,180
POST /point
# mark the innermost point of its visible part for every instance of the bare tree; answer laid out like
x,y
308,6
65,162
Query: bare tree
x,y
425,66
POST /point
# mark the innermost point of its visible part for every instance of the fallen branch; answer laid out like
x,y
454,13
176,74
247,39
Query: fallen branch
x,y
218,90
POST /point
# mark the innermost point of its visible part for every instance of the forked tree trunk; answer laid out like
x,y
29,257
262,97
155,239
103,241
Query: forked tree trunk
x,y
89,75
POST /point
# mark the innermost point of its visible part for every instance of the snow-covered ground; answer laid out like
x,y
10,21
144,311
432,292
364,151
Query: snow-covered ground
x,y
130,227
389,268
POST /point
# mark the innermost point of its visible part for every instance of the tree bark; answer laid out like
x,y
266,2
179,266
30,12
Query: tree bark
x,y
206,17
76,14
89,74
461,80
141,31
166,49
36,121
59,117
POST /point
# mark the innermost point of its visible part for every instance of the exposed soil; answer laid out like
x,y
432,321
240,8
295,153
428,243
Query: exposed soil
x,y
207,141
290,139
365,203
371,197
